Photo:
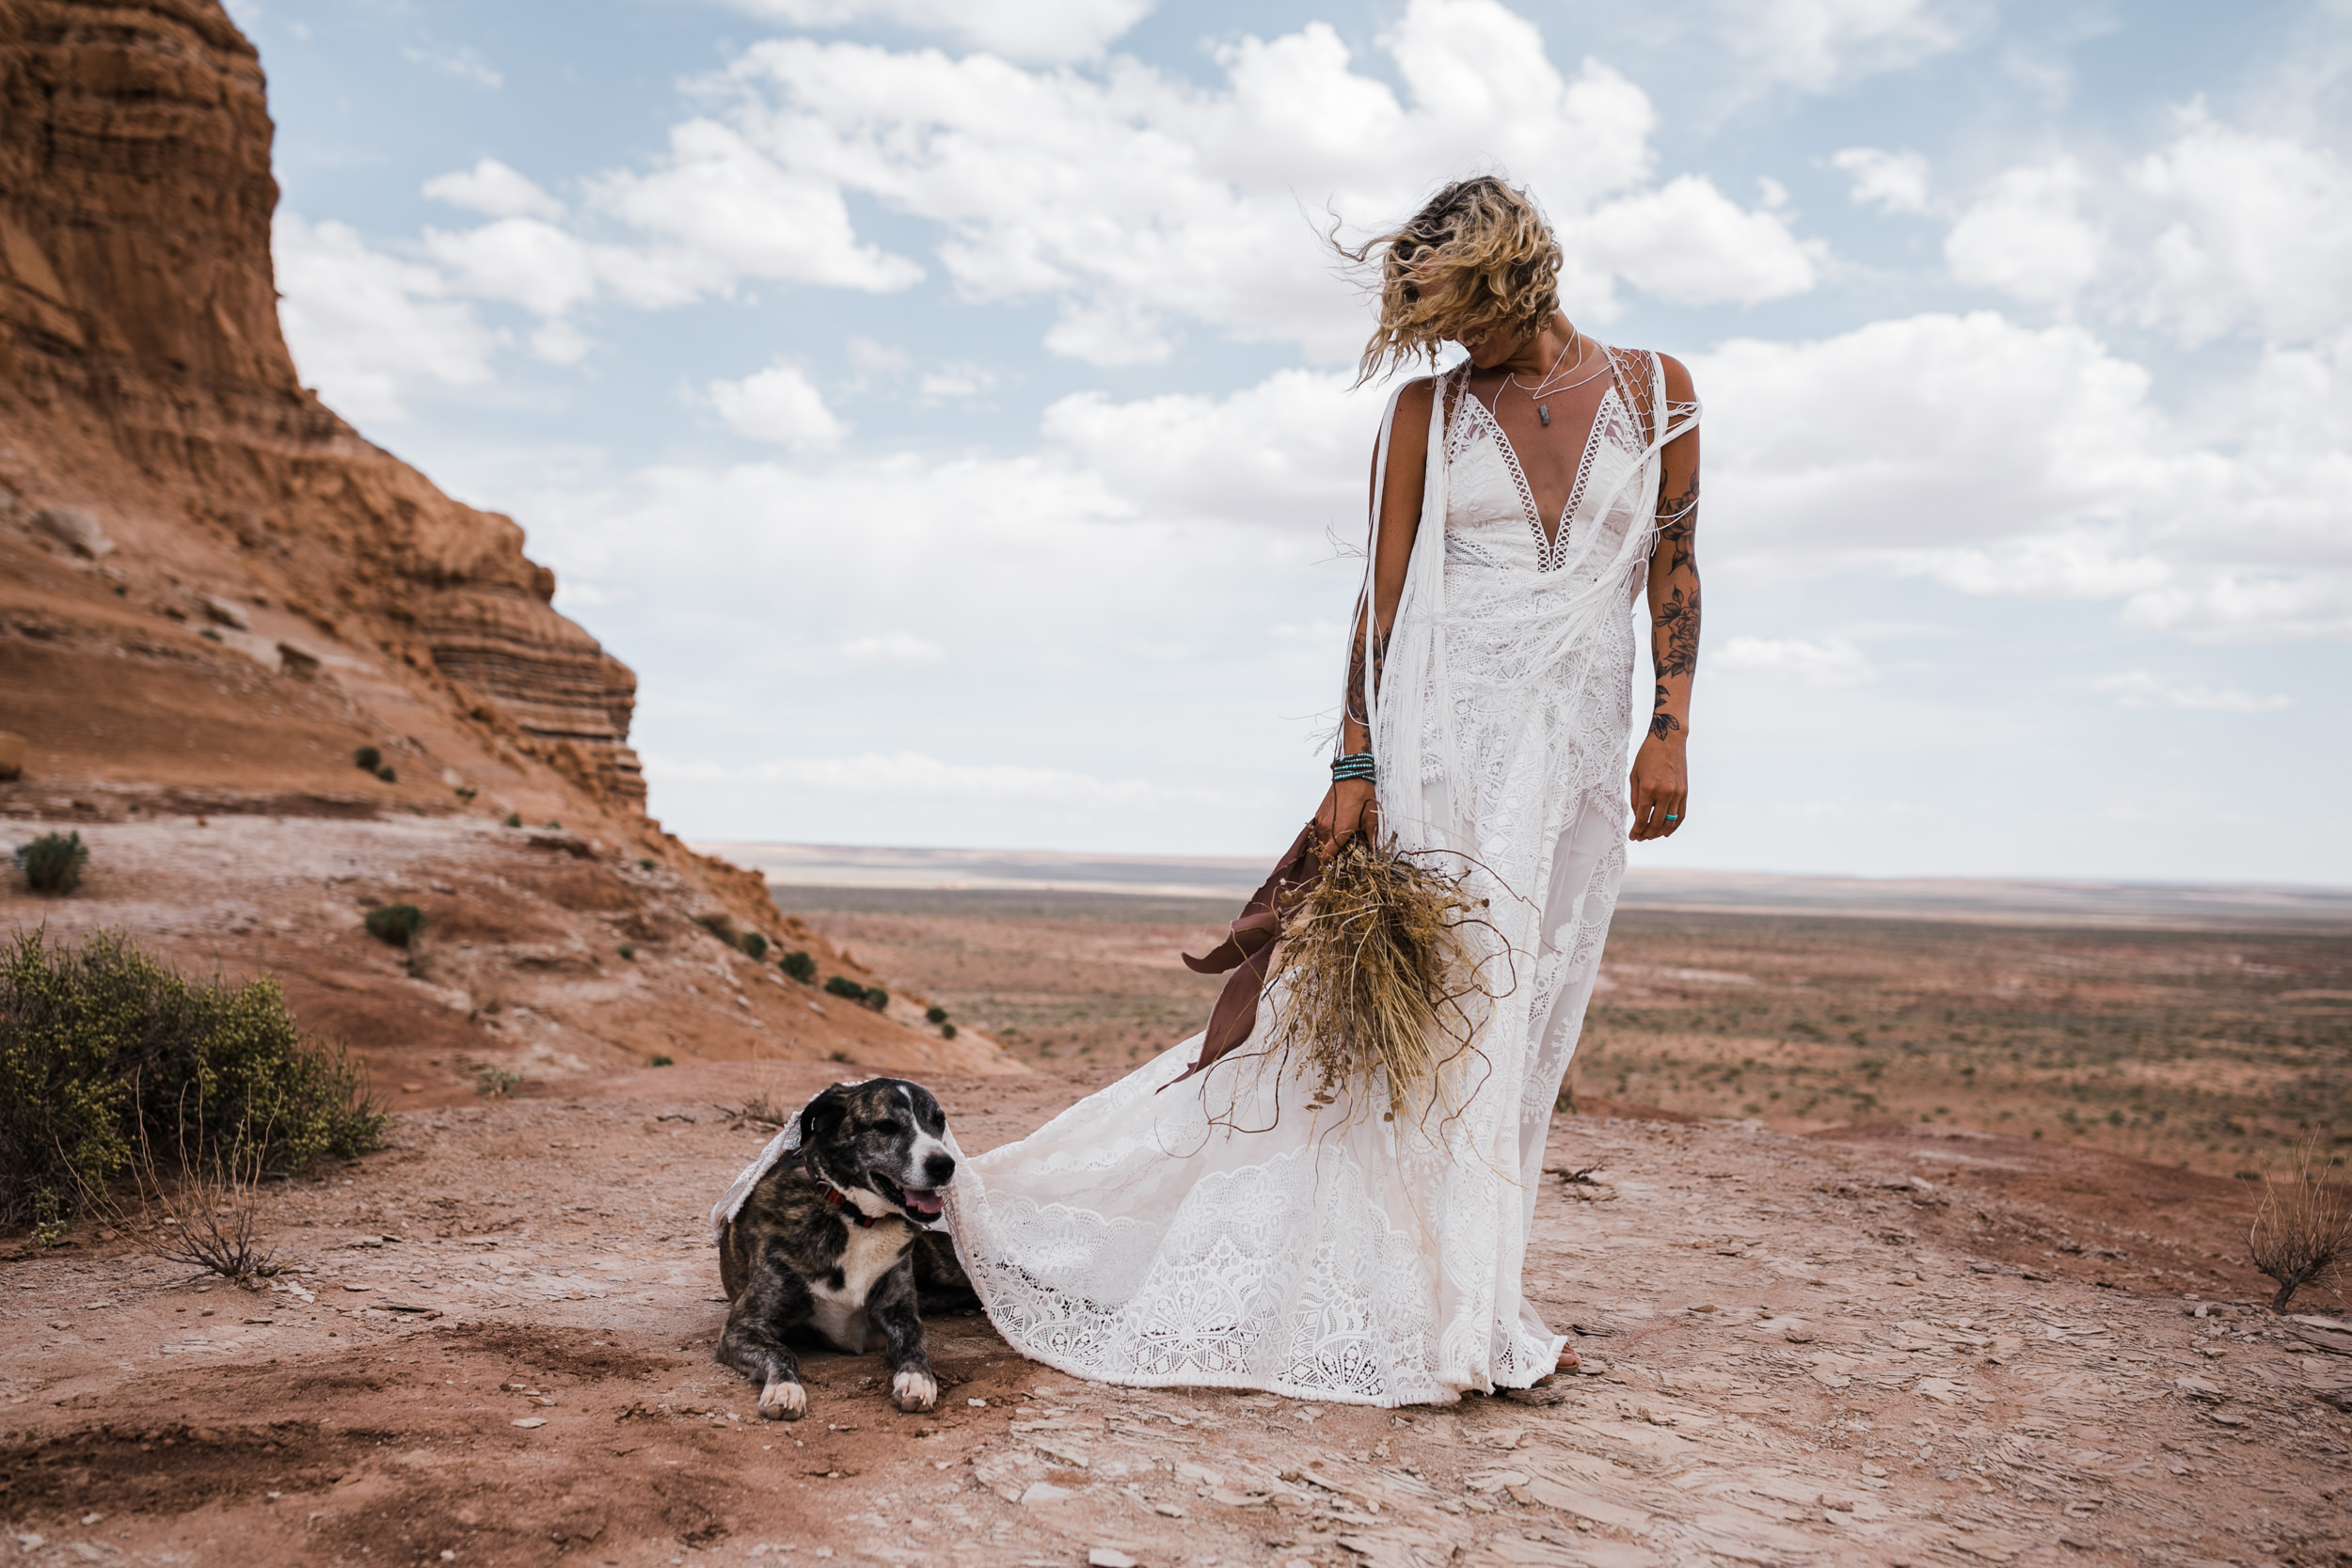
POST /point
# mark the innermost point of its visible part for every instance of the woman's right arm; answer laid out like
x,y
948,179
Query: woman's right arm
x,y
1348,805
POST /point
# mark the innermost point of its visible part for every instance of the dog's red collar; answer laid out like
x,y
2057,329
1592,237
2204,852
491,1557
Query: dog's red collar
x,y
838,1199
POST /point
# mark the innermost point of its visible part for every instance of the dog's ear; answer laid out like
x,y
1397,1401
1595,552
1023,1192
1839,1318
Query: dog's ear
x,y
821,1118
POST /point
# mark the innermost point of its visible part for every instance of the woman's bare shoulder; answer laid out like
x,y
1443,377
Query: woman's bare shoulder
x,y
1679,386
1414,398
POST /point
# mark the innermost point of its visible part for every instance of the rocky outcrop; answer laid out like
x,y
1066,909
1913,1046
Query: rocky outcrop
x,y
142,372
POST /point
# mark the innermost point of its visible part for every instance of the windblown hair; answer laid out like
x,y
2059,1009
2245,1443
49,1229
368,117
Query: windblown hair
x,y
1477,259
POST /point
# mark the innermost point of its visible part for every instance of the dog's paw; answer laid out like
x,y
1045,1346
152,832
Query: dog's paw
x,y
782,1402
913,1390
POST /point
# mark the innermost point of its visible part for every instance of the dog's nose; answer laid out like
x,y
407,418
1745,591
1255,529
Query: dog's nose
x,y
938,1169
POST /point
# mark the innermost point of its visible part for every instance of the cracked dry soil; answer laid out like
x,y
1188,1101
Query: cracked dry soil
x,y
1888,1347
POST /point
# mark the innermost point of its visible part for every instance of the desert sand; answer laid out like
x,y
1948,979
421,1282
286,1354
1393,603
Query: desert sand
x,y
1896,1347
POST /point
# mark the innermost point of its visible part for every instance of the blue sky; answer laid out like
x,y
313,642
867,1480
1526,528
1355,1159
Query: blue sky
x,y
945,407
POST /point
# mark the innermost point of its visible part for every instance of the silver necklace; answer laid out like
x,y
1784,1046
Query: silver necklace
x,y
1541,388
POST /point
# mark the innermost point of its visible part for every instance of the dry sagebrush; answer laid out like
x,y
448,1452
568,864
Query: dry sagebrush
x,y
1376,965
2302,1233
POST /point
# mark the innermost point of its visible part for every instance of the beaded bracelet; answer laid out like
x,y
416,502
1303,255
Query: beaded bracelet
x,y
1355,765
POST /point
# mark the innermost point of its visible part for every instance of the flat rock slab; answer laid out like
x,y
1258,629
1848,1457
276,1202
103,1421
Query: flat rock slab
x,y
1819,1394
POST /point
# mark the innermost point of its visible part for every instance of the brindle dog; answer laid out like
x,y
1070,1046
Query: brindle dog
x,y
834,1238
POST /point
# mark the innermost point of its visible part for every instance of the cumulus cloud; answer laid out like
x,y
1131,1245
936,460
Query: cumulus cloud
x,y
2139,689
718,209
1826,661
1049,31
1292,451
492,188
1818,44
1891,181
528,262
2001,458
365,327
780,405
1688,244
2027,237
1135,200
2262,239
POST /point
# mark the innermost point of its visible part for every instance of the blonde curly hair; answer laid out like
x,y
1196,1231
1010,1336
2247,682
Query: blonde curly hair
x,y
1477,259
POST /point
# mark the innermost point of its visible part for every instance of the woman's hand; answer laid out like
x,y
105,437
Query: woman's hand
x,y
1661,788
1349,806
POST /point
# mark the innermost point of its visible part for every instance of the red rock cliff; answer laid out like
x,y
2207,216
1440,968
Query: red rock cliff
x,y
144,381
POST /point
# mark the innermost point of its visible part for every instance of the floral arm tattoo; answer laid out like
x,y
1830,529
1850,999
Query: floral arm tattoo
x,y
1675,605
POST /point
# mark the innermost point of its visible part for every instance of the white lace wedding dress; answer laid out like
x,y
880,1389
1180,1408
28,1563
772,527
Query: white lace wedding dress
x,y
1226,1231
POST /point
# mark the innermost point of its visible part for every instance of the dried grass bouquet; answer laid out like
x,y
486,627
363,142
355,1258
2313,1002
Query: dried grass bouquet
x,y
1377,970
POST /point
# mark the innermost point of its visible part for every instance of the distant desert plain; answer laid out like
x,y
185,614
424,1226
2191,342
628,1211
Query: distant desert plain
x,y
2204,1027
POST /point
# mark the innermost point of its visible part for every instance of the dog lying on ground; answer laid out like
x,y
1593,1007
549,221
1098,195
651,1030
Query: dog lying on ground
x,y
833,1239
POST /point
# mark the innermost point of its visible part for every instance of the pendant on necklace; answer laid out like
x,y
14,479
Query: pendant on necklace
x,y
1542,413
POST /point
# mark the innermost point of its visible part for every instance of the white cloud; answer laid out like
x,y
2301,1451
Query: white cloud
x,y
1136,201
1689,244
2004,459
492,188
528,262
1828,661
2138,689
365,327
1040,30
1891,181
1818,44
872,358
559,342
2265,236
2025,236
894,647
781,405
719,209
1290,452
961,382
466,62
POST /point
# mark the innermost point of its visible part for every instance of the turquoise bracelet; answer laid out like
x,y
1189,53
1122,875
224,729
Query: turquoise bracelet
x,y
1355,765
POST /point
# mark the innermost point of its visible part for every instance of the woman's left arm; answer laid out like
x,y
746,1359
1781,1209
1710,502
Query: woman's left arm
x,y
1662,790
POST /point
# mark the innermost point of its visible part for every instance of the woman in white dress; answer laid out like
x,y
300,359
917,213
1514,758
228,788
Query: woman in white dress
x,y
1230,1227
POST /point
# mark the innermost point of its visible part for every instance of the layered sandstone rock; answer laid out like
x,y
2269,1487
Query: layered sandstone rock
x,y
216,599
142,372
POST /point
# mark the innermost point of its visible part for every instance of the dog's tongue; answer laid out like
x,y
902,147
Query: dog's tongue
x,y
924,1200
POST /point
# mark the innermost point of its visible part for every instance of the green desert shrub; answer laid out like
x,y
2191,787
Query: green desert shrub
x,y
397,924
841,985
877,997
368,758
53,863
947,1031
386,774
513,819
755,945
935,1014
496,1082
104,1051
799,966
661,1061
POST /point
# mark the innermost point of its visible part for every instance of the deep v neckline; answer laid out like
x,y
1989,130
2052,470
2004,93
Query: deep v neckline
x,y
1550,543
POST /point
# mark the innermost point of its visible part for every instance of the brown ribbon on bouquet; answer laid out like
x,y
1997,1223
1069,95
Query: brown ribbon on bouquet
x,y
1248,950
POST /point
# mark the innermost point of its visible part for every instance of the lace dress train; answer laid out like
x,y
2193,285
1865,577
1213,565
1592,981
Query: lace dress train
x,y
1228,1230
